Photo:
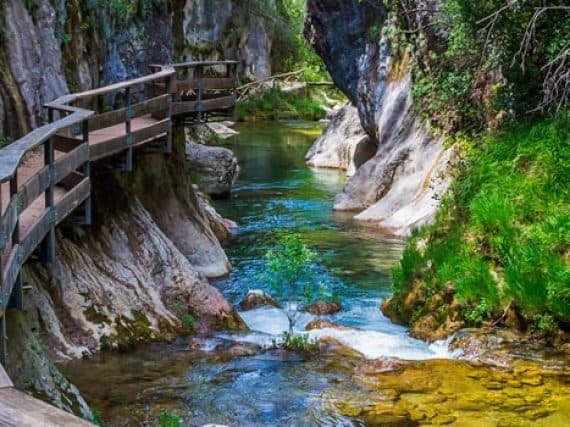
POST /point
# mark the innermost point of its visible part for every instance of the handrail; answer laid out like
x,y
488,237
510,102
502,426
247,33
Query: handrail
x,y
66,99
191,64
13,154
78,136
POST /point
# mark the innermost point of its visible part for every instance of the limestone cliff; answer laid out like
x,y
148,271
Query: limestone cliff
x,y
400,186
49,48
218,29
145,262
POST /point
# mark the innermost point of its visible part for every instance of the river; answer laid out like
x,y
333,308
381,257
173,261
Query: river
x,y
277,192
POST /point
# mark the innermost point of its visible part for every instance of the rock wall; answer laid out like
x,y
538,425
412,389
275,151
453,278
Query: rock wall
x,y
146,261
49,48
229,29
343,144
400,186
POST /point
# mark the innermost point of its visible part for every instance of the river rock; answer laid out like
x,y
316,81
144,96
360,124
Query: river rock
x,y
324,307
222,227
325,324
223,129
256,298
343,144
217,168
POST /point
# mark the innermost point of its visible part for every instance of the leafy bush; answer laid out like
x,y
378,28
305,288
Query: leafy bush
x,y
274,104
503,235
476,59
189,320
290,274
169,419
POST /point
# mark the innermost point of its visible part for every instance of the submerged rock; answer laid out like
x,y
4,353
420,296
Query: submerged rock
x,y
325,324
217,168
324,307
256,298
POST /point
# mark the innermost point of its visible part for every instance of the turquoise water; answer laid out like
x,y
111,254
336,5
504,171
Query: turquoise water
x,y
275,192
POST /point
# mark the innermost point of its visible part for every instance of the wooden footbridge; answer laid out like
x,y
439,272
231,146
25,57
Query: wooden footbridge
x,y
45,176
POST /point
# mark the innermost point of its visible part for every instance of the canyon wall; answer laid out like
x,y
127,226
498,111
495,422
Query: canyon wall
x,y
401,183
49,48
144,264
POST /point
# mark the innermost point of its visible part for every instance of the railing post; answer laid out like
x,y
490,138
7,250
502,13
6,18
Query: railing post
x,y
168,147
87,219
200,93
128,129
2,317
16,297
48,244
232,68
3,339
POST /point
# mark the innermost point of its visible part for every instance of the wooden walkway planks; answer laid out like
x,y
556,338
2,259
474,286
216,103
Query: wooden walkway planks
x,y
17,409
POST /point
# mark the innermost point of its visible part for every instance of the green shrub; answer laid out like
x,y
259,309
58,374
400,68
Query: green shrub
x,y
503,234
274,104
169,419
189,320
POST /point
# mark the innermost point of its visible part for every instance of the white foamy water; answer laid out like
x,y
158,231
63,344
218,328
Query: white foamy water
x,y
268,323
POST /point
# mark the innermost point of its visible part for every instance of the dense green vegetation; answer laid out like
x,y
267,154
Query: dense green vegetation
x,y
274,104
290,46
502,238
476,62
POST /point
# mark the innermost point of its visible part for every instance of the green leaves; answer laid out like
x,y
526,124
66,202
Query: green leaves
x,y
503,236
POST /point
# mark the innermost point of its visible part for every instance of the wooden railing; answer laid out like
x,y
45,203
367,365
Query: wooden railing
x,y
54,160
203,91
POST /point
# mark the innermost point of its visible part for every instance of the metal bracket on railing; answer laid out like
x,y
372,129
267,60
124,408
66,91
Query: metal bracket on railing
x,y
130,113
52,215
130,139
19,204
3,240
76,130
52,171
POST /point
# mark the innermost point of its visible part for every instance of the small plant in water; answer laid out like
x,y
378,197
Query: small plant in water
x,y
300,342
288,273
169,419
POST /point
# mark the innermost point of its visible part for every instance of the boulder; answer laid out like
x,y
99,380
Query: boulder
x,y
324,307
217,168
343,144
256,298
325,324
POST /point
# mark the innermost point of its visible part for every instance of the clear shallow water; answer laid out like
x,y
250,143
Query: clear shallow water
x,y
276,192
203,386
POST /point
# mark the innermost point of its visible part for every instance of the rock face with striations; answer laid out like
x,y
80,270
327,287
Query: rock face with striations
x,y
154,244
343,144
401,185
222,29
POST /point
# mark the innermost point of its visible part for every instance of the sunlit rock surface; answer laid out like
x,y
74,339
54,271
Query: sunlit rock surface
x,y
343,144
402,184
